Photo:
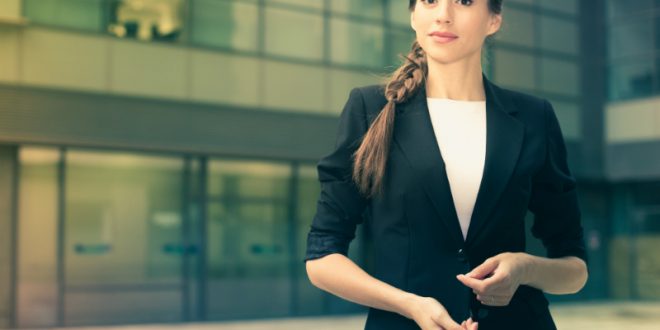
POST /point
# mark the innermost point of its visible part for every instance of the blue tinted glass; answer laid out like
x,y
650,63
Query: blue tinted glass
x,y
631,80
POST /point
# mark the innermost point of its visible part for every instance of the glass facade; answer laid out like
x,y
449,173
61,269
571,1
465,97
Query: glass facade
x,y
132,237
633,33
225,24
537,51
345,33
633,265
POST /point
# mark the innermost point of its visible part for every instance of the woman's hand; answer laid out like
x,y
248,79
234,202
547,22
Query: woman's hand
x,y
497,279
429,314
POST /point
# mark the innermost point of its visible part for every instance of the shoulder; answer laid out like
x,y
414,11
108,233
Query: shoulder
x,y
372,96
530,109
523,101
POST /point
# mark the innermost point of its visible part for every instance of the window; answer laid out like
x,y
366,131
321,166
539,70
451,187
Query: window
x,y
631,80
560,77
514,69
399,13
565,6
356,43
365,8
316,4
231,24
78,14
633,37
294,34
559,35
517,28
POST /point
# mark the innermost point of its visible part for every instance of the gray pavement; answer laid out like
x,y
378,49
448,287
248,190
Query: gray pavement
x,y
569,316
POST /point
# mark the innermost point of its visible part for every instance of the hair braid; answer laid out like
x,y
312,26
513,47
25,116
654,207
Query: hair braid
x,y
370,157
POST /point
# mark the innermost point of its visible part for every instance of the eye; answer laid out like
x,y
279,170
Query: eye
x,y
463,2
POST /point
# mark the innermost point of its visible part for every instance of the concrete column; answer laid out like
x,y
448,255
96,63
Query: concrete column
x,y
8,177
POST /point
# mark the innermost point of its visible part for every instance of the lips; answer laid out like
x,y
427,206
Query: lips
x,y
443,34
443,37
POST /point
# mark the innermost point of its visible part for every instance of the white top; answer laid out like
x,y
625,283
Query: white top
x,y
460,128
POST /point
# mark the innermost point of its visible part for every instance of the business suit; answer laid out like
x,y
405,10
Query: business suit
x,y
419,246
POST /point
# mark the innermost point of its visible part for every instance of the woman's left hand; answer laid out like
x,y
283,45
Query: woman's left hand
x,y
497,278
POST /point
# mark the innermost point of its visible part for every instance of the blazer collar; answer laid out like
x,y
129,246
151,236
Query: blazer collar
x,y
414,136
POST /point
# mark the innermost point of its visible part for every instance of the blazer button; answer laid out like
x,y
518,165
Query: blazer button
x,y
461,255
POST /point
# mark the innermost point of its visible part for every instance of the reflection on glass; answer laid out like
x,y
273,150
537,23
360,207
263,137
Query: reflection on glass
x,y
78,14
225,23
122,237
37,241
631,80
248,249
294,34
356,43
146,19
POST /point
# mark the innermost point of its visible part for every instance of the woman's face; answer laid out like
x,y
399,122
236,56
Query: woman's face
x,y
469,20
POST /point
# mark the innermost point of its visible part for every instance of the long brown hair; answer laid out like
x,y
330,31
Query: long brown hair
x,y
371,156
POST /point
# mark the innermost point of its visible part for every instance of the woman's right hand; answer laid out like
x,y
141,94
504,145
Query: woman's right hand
x,y
429,314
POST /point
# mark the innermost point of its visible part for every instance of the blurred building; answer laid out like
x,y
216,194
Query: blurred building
x,y
157,157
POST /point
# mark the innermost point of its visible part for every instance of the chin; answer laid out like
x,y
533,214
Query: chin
x,y
441,58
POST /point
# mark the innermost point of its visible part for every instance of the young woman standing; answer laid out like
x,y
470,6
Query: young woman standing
x,y
444,165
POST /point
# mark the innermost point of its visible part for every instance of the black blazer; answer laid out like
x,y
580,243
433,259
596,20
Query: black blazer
x,y
418,244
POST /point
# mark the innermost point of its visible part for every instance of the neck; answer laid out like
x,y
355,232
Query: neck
x,y
458,81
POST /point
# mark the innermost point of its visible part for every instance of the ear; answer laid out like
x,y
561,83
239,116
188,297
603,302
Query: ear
x,y
495,23
412,20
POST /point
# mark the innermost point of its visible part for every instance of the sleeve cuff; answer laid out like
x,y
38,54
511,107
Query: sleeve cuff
x,y
320,244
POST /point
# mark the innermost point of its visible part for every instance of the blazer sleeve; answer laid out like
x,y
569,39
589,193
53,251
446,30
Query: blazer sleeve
x,y
340,205
554,199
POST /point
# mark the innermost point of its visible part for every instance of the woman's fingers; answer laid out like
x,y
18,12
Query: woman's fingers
x,y
494,300
471,325
446,322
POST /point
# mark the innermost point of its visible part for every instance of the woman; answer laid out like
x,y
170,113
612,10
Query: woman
x,y
444,165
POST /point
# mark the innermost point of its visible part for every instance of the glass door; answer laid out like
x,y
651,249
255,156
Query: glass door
x,y
247,234
123,248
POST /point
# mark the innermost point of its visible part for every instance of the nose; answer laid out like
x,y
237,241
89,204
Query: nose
x,y
444,11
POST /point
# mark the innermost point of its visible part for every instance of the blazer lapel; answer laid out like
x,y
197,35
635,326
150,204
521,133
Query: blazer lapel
x,y
414,135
